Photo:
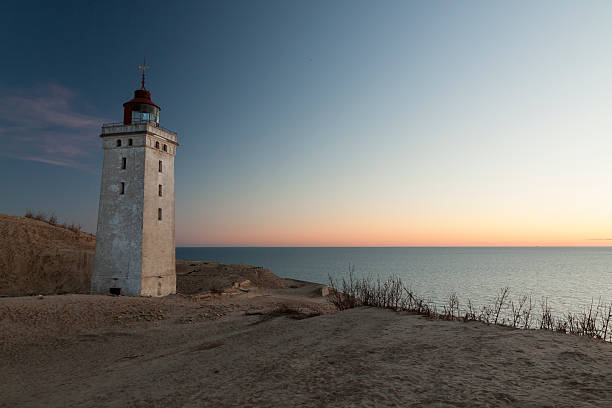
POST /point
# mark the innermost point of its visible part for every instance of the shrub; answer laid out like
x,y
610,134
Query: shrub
x,y
40,216
52,220
393,294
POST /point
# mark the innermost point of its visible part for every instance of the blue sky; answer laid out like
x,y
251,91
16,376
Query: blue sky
x,y
324,123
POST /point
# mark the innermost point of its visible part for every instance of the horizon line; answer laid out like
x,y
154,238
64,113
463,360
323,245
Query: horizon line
x,y
393,246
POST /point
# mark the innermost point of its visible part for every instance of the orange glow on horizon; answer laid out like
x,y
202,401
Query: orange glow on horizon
x,y
433,235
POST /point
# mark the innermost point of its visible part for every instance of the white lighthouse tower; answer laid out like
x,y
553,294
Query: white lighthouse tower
x,y
135,241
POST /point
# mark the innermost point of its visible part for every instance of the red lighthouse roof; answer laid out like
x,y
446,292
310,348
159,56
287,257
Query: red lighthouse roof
x,y
142,96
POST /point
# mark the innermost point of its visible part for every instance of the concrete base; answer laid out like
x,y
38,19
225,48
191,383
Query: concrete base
x,y
150,286
158,285
103,286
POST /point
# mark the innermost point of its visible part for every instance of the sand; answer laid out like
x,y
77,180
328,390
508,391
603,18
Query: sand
x,y
36,257
195,277
281,348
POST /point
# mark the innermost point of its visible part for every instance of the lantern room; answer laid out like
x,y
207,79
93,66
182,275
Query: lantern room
x,y
141,109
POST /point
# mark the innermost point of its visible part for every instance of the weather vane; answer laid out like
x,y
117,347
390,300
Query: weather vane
x,y
143,67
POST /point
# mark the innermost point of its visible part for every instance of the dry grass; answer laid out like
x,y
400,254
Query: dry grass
x,y
393,294
52,220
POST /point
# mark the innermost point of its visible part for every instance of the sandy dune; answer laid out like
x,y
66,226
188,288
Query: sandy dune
x,y
36,257
271,348
193,277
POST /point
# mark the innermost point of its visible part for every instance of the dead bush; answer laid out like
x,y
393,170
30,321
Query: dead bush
x,y
392,293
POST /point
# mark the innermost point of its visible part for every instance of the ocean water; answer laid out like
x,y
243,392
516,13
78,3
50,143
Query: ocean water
x,y
570,278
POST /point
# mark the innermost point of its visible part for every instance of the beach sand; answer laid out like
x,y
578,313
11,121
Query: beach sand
x,y
281,347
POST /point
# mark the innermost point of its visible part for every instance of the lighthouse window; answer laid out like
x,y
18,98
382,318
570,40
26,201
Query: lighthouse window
x,y
160,190
122,188
159,214
130,142
157,145
160,166
165,148
123,163
144,113
118,142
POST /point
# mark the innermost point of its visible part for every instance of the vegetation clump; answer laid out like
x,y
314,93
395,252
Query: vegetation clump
x,y
521,312
52,220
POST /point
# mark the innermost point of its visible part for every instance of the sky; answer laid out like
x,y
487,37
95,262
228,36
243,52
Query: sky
x,y
324,123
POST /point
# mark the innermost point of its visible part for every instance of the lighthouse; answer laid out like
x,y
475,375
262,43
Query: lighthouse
x,y
135,242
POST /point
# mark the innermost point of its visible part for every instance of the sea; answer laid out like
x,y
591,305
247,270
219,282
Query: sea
x,y
568,279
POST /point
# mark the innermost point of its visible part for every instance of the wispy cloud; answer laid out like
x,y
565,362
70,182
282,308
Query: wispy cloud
x,y
600,239
45,125
39,159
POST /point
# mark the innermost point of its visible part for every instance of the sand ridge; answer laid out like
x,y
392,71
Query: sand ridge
x,y
37,257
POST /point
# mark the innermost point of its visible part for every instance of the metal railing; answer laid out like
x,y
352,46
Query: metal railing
x,y
140,122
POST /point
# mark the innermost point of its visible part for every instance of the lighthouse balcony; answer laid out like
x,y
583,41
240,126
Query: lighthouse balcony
x,y
150,127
